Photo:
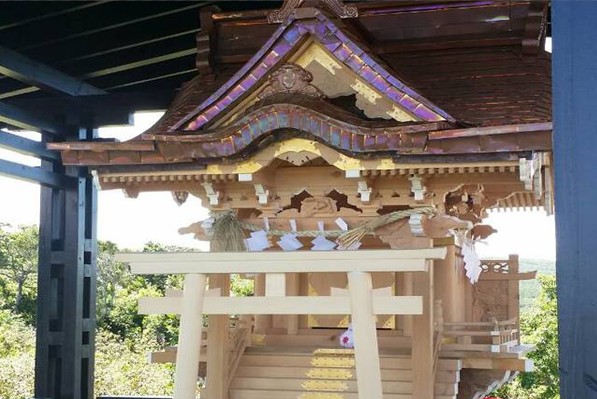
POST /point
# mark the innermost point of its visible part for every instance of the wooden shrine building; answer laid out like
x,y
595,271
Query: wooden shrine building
x,y
353,147
356,149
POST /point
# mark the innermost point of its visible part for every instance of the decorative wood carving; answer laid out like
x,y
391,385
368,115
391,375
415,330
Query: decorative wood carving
x,y
297,158
490,301
291,79
131,192
469,202
196,229
416,232
317,205
180,197
482,231
476,383
337,7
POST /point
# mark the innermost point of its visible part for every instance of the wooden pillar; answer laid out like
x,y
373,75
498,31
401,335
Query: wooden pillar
x,y
366,351
404,286
446,285
422,337
189,337
575,120
66,281
262,322
292,288
218,343
514,293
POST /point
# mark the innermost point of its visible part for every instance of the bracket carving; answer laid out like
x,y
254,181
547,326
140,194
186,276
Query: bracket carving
x,y
364,191
337,7
418,187
530,174
262,194
213,195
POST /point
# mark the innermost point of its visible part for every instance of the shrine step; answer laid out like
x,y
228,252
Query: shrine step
x,y
293,372
283,372
271,394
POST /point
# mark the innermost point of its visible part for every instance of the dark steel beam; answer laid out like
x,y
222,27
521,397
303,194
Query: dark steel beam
x,y
38,18
141,63
35,175
153,79
118,25
19,67
114,109
24,146
22,119
575,141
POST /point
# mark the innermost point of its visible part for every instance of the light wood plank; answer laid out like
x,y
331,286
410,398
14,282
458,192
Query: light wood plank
x,y
280,256
189,341
282,262
217,343
366,351
298,264
498,364
409,305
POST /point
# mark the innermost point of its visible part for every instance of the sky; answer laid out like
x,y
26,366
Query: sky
x,y
156,217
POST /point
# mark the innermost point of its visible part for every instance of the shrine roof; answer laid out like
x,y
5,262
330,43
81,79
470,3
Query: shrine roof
x,y
482,86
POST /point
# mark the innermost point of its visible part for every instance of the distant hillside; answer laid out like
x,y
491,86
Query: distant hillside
x,y
529,290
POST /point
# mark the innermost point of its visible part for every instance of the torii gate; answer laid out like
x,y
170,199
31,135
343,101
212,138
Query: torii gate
x,y
359,301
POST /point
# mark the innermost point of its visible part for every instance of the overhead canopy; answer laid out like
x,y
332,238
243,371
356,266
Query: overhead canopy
x,y
454,79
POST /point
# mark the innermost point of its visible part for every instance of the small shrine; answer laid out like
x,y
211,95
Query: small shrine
x,y
348,154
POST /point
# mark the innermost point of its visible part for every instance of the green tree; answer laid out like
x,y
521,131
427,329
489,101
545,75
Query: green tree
x,y
540,328
111,276
18,260
17,357
122,368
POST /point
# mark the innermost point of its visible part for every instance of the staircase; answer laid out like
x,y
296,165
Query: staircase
x,y
310,373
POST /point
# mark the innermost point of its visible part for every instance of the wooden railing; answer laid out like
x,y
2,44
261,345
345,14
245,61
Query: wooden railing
x,y
494,336
240,338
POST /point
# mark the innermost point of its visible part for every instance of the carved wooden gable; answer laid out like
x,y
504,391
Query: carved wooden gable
x,y
339,66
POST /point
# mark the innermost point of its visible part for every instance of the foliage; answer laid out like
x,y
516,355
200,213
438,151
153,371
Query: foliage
x,y
540,328
530,289
119,292
18,267
241,286
111,276
17,357
122,368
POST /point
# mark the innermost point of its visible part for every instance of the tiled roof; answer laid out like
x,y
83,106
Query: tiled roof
x,y
482,87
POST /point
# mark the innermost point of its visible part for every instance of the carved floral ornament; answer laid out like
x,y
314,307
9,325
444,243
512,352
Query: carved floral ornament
x,y
291,78
337,7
